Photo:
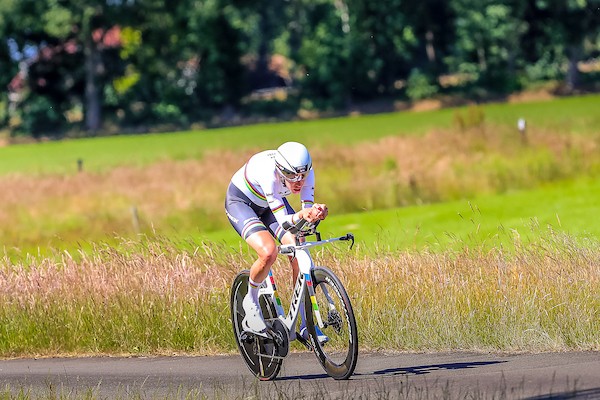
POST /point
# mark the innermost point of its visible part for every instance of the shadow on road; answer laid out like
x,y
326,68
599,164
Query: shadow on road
x,y
419,370
570,395
426,369
303,377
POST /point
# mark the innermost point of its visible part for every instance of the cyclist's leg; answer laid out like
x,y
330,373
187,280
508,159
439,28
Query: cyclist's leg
x,y
250,222
244,217
282,236
263,243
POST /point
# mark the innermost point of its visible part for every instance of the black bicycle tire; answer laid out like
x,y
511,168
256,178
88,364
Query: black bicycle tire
x,y
345,369
238,291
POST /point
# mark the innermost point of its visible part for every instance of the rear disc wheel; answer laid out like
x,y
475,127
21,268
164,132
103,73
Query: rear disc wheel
x,y
260,354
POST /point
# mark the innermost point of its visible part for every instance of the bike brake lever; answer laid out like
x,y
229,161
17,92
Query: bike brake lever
x,y
295,228
287,249
349,236
290,228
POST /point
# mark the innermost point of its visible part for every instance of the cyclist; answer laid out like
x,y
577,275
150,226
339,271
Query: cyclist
x,y
256,206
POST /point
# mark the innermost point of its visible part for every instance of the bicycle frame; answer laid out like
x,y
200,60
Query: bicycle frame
x,y
303,283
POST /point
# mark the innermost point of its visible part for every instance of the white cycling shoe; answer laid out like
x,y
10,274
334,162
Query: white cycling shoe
x,y
253,321
323,338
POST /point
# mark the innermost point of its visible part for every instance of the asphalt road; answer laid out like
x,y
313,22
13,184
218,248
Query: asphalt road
x,y
573,375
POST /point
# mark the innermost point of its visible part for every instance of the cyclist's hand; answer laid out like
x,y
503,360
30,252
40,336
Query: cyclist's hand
x,y
321,211
316,213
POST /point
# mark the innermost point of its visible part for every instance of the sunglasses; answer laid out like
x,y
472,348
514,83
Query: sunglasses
x,y
293,176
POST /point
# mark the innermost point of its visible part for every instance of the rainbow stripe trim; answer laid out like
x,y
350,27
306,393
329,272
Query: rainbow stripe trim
x,y
279,232
274,288
307,203
252,188
276,209
307,278
313,299
251,225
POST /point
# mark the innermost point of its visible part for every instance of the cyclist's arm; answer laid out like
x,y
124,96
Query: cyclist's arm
x,y
307,194
310,211
277,205
314,213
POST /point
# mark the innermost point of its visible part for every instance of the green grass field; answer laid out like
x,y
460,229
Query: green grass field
x,y
575,115
484,221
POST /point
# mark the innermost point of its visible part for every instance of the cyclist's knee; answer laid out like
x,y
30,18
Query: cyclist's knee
x,y
267,254
264,245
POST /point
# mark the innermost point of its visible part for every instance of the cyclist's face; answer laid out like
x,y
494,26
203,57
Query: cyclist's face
x,y
295,187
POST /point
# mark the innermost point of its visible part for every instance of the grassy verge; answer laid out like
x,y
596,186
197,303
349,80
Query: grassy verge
x,y
159,298
574,115
185,197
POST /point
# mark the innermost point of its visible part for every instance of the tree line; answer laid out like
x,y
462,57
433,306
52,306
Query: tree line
x,y
88,66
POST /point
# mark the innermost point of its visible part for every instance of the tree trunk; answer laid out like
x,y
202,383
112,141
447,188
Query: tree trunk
x,y
92,93
429,47
574,52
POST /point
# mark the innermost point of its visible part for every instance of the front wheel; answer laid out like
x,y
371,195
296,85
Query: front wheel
x,y
260,354
339,354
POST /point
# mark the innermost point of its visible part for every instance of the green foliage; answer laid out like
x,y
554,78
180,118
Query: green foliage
x,y
548,67
419,86
488,35
131,41
58,22
204,58
124,83
168,113
40,115
3,110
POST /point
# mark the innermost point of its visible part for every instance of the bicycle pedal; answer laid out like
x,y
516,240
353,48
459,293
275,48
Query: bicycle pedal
x,y
249,335
246,337
303,341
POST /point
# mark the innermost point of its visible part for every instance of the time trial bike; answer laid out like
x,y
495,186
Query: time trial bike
x,y
327,307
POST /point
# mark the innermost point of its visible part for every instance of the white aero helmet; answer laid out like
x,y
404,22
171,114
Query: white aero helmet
x,y
293,161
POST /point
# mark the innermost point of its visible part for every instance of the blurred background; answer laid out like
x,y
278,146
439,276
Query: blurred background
x,y
82,67
507,94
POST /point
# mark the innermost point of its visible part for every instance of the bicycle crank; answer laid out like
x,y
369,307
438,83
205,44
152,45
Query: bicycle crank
x,y
279,332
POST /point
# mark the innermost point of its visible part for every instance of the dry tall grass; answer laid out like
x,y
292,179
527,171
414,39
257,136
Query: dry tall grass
x,y
146,297
155,298
474,157
542,298
90,206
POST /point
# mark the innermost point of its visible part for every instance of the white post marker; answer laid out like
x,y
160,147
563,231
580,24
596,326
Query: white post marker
x,y
522,126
